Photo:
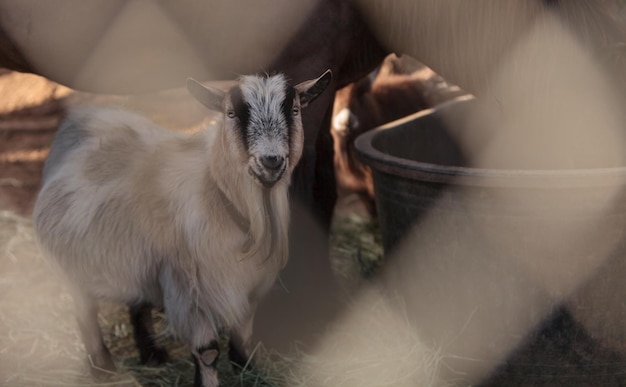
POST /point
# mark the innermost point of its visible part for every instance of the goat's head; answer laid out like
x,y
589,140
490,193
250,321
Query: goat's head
x,y
262,121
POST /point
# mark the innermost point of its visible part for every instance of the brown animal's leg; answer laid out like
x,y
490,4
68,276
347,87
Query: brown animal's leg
x,y
143,328
87,316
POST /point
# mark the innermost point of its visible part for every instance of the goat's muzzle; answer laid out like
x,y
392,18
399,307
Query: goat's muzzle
x,y
269,169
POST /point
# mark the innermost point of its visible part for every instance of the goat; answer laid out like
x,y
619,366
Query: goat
x,y
196,224
399,87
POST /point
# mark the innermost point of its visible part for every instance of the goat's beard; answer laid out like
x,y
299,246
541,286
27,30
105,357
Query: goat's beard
x,y
269,220
273,226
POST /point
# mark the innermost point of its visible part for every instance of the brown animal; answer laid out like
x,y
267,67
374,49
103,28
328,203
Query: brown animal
x,y
400,86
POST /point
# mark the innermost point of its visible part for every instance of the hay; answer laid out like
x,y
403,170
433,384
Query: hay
x,y
373,344
38,342
356,247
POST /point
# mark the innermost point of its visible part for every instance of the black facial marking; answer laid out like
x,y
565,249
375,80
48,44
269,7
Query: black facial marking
x,y
286,109
287,105
242,112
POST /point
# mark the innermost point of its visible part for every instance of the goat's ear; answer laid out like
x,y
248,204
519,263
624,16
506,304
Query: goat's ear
x,y
208,96
309,90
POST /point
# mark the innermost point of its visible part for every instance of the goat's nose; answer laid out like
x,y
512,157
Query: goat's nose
x,y
272,162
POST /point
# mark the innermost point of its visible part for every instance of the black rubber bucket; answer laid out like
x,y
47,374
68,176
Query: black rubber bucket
x,y
417,158
412,160
575,217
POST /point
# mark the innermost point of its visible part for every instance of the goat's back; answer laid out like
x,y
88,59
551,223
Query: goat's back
x,y
107,212
85,217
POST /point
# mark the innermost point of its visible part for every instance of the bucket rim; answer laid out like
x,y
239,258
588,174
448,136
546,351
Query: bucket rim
x,y
493,177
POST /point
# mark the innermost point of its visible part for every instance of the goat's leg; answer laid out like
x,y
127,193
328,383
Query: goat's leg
x,y
98,354
205,359
204,348
237,353
143,330
239,343
192,324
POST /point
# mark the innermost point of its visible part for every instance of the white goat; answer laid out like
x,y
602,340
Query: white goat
x,y
196,224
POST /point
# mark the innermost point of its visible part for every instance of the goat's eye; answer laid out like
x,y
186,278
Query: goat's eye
x,y
230,114
295,111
